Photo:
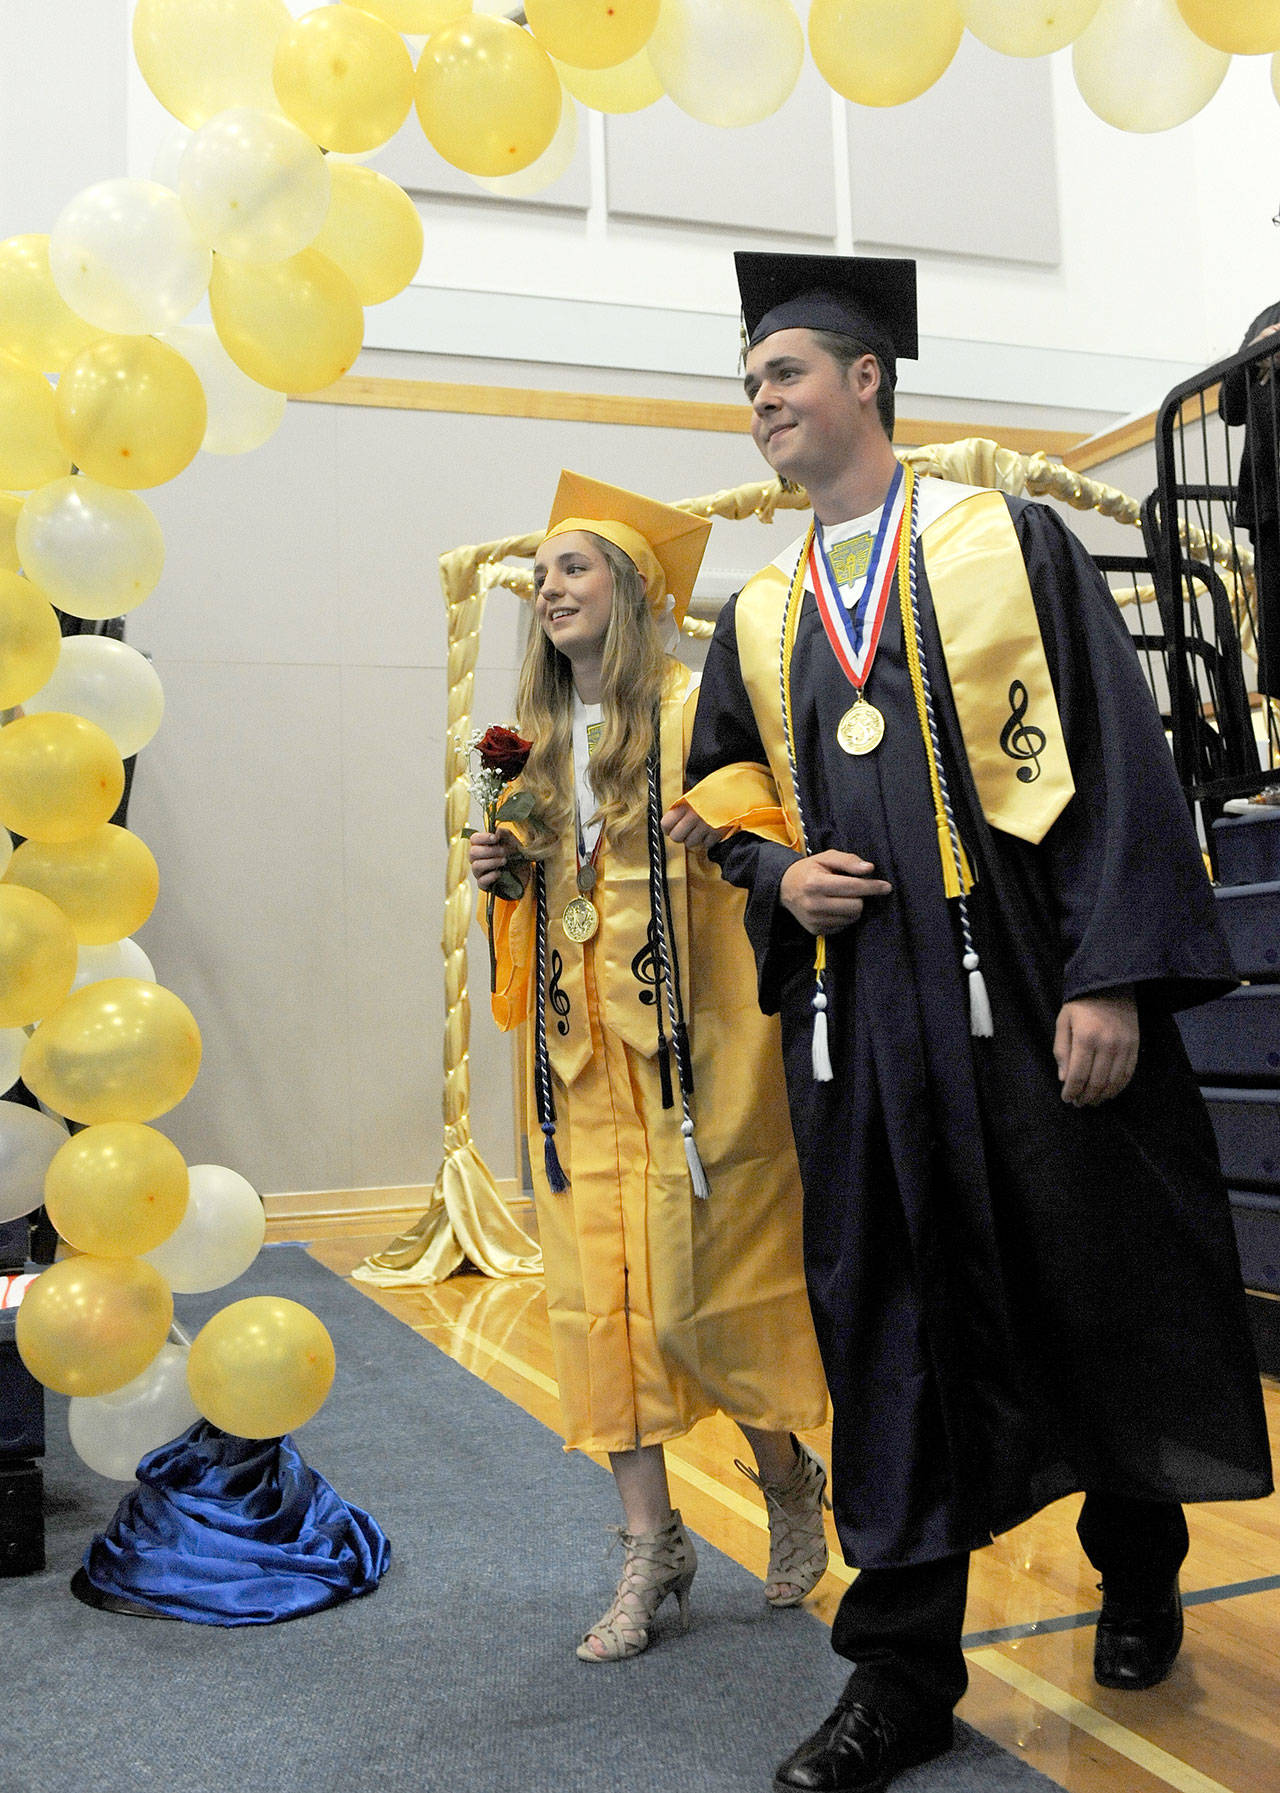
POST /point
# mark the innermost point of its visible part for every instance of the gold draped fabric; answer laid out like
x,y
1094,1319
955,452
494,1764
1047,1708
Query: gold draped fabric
x,y
467,1219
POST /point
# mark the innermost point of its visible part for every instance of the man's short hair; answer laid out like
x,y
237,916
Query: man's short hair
x,y
845,350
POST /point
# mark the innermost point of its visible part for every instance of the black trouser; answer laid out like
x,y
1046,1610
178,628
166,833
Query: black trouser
x,y
901,1628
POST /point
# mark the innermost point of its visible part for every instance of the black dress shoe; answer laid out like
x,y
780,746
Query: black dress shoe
x,y
859,1750
1138,1639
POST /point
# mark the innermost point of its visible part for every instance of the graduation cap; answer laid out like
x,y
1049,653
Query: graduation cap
x,y
666,544
871,298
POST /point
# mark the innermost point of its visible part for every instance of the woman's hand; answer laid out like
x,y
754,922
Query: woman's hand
x,y
491,854
827,891
687,828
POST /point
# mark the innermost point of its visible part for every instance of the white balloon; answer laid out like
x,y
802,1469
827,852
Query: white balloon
x,y
28,1140
107,682
121,958
1140,67
1027,27
94,551
124,256
254,186
242,414
165,166
112,1433
548,167
13,1040
220,1235
727,62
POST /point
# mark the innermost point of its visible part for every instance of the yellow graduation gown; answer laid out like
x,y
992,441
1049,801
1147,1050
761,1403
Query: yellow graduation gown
x,y
663,1307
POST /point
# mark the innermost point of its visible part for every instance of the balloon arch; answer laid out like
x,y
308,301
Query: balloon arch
x,y
106,391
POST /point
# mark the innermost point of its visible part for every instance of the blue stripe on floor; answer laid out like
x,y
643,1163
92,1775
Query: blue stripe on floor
x,y
1232,1590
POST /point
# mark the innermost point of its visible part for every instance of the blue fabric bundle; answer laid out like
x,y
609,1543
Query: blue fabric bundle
x,y
232,1531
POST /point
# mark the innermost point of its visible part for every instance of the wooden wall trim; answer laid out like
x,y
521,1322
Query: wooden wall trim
x,y
648,413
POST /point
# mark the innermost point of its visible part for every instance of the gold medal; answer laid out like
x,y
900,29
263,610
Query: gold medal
x,y
580,920
861,728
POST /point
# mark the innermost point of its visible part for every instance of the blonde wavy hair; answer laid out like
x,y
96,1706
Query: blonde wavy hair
x,y
630,688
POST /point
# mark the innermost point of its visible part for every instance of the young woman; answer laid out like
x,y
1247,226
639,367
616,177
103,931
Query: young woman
x,y
667,1195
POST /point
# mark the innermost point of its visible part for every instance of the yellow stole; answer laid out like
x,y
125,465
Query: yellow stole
x,y
995,664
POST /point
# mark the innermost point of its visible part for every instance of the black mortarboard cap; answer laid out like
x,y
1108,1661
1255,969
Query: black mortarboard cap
x,y
870,297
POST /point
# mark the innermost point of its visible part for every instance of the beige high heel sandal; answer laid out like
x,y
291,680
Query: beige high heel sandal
x,y
797,1540
656,1564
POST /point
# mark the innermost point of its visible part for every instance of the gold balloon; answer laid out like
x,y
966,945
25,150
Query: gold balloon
x,y
373,233
105,883
131,411
200,57
592,33
37,956
879,52
37,326
344,77
1243,27
116,1190
628,88
10,505
1016,28
88,1325
60,776
293,325
118,1050
261,1367
488,96
30,639
30,452
418,18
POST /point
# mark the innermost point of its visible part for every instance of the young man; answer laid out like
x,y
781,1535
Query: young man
x,y
976,898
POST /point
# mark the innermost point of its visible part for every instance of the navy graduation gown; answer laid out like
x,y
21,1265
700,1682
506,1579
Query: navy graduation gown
x,y
1014,1298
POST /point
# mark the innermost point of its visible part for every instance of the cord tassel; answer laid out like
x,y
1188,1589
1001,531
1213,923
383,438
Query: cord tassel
x,y
697,1175
981,1025
684,1058
664,1071
821,1051
556,1179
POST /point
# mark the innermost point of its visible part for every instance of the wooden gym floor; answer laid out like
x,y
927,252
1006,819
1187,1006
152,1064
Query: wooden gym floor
x,y
1214,1727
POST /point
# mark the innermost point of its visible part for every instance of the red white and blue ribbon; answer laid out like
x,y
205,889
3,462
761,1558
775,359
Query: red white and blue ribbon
x,y
854,630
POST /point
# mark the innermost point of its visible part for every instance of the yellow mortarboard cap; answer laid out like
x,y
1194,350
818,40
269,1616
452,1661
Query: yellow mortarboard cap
x,y
666,544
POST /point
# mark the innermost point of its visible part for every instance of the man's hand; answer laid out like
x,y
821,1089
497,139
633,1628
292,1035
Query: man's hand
x,y
686,826
1096,1046
1262,372
826,892
491,853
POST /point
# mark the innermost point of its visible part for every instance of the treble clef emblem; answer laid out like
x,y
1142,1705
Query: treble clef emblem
x,y
1022,740
557,996
644,967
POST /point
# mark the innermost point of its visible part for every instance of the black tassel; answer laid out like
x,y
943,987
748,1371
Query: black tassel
x,y
556,1179
684,1058
664,1072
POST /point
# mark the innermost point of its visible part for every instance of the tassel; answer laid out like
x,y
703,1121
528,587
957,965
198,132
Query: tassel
x,y
698,1176
664,1073
684,1058
556,1178
821,1053
981,1026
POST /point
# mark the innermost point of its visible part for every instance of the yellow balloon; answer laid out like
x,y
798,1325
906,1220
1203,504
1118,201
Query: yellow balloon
x,y
344,77
293,325
628,88
1243,27
200,57
117,1189
30,452
488,96
37,956
37,326
30,639
373,232
88,1325
10,505
879,52
105,883
1019,28
131,411
592,33
261,1367
118,1050
418,18
60,776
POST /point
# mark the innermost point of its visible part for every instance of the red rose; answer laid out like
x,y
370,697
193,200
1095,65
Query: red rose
x,y
503,751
